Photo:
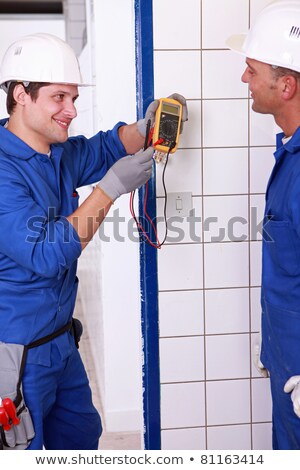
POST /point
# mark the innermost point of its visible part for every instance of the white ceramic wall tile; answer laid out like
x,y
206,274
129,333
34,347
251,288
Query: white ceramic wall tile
x,y
225,123
227,357
263,129
181,313
228,402
226,265
225,218
255,263
180,267
232,65
261,400
262,436
183,172
181,359
229,437
222,19
225,171
226,311
182,29
261,163
257,210
255,308
187,84
180,229
222,117
187,439
192,136
182,405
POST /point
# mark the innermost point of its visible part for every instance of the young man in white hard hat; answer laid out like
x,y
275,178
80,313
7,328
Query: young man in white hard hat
x,y
45,395
272,50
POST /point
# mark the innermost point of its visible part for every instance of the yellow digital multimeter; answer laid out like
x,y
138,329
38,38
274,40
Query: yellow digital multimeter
x,y
167,125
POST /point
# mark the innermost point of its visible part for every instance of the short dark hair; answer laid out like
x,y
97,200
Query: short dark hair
x,y
32,89
282,71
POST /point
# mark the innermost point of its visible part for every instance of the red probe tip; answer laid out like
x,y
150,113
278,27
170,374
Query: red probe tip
x,y
158,142
4,419
10,409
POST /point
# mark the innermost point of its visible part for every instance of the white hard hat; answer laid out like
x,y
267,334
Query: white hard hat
x,y
274,37
40,57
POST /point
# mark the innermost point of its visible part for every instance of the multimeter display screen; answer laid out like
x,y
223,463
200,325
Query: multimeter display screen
x,y
168,108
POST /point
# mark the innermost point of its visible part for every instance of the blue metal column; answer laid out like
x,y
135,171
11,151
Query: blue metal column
x,y
148,254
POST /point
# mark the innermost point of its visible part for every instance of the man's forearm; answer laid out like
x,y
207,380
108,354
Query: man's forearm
x,y
88,217
131,138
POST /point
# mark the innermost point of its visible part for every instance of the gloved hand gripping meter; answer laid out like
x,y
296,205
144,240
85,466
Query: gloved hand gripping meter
x,y
167,125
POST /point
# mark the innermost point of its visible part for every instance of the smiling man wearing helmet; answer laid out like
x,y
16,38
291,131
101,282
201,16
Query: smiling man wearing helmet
x,y
45,398
272,50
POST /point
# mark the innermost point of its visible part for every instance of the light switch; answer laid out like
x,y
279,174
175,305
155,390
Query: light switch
x,y
179,204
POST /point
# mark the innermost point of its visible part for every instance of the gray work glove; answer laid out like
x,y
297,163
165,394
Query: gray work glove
x,y
20,432
127,174
151,110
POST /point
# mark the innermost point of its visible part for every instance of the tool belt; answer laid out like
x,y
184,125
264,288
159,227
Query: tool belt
x,y
16,427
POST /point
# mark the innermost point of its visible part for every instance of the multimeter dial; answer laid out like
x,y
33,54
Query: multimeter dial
x,y
168,127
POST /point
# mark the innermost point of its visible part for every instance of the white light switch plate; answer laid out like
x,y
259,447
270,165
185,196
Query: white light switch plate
x,y
179,204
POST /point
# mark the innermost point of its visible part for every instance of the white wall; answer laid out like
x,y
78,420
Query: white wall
x,y
212,396
115,72
109,270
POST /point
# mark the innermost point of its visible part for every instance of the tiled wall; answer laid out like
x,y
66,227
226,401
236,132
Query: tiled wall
x,y
209,286
76,23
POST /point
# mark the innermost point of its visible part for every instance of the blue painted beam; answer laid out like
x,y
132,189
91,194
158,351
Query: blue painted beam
x,y
148,254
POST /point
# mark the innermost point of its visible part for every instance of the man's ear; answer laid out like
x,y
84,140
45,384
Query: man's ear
x,y
20,94
289,86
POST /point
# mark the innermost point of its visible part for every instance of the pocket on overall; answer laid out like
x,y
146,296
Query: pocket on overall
x,y
281,241
281,333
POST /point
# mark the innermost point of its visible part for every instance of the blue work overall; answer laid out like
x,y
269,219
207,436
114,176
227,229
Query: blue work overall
x,y
38,284
280,295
